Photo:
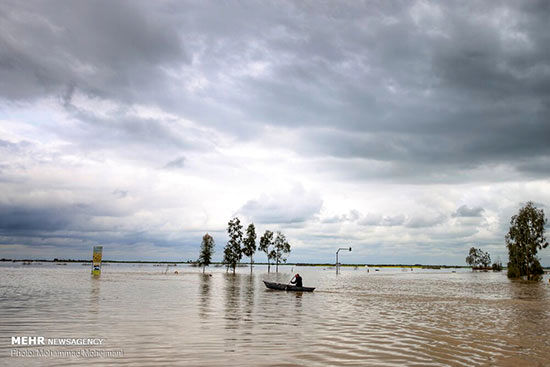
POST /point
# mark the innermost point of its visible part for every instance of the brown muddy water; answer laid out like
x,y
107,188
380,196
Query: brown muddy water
x,y
389,317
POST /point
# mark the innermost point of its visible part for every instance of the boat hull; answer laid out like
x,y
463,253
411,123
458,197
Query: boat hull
x,y
287,287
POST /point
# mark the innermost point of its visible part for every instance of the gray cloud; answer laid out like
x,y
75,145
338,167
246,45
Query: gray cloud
x,y
46,217
391,221
352,216
176,163
371,220
120,194
420,221
296,206
383,221
426,83
466,211
17,218
103,48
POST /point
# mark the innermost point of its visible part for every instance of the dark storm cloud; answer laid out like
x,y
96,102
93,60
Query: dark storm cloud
x,y
536,166
17,218
71,229
47,217
465,98
101,47
438,84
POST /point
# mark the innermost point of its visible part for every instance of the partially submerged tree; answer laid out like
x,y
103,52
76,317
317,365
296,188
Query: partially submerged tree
x,y
227,257
266,241
478,258
249,243
281,249
524,239
233,252
207,249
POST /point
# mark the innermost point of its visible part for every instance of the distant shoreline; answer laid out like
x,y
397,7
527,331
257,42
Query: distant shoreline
x,y
412,266
418,266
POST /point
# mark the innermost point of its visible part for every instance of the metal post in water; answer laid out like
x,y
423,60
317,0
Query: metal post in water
x,y
337,264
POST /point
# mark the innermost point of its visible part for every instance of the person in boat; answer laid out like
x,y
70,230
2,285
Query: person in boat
x,y
297,280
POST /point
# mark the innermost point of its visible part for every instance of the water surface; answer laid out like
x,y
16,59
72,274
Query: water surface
x,y
391,317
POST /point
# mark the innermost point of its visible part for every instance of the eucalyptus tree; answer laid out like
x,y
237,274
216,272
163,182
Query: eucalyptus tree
x,y
233,252
478,258
266,241
281,249
249,243
524,239
207,249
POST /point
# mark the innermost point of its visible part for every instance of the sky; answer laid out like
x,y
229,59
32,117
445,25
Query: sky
x,y
408,130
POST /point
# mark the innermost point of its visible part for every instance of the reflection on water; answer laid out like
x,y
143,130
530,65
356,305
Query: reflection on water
x,y
95,287
204,304
424,318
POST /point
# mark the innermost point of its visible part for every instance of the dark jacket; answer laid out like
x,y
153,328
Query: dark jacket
x,y
298,281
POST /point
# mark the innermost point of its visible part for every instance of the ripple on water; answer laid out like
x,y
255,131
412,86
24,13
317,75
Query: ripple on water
x,y
354,319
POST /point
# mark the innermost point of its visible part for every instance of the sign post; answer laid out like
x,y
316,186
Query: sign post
x,y
96,263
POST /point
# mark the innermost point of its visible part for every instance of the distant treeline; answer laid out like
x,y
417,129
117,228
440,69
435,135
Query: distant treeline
x,y
103,261
221,263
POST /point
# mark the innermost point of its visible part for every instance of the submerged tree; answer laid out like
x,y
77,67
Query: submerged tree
x,y
227,258
478,258
524,239
207,249
249,243
266,241
233,253
281,249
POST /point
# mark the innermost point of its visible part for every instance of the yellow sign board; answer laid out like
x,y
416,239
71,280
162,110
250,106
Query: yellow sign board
x,y
96,263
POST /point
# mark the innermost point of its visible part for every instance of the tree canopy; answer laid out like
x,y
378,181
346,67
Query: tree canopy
x,y
249,243
266,241
524,239
233,253
281,249
478,258
207,249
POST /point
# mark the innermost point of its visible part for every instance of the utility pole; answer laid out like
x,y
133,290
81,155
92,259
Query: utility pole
x,y
337,264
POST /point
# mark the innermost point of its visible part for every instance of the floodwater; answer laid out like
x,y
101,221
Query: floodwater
x,y
391,317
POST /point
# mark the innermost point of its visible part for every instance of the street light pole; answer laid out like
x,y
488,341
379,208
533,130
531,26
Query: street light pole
x,y
341,248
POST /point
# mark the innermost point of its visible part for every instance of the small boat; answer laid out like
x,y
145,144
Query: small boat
x,y
287,287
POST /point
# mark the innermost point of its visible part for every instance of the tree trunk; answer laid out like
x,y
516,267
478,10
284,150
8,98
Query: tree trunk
x,y
277,266
251,261
268,266
234,266
203,268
